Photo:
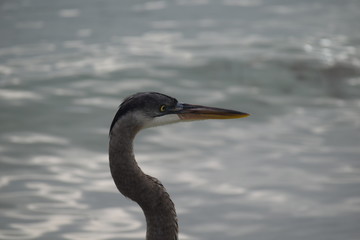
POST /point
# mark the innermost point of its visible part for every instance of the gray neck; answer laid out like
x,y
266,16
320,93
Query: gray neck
x,y
147,191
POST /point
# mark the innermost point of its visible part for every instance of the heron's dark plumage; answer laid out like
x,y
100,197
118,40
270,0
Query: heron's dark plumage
x,y
130,180
140,111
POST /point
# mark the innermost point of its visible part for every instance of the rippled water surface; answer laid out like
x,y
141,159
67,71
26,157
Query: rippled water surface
x,y
290,171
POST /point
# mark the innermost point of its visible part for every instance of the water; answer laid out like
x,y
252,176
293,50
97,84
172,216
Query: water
x,y
290,171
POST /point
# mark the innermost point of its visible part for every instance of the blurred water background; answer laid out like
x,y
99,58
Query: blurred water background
x,y
290,171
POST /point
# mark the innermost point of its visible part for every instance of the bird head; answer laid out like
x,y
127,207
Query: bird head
x,y
150,109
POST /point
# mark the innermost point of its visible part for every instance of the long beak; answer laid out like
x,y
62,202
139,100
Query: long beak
x,y
189,112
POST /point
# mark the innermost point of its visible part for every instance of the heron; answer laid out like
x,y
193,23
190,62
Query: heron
x,y
140,111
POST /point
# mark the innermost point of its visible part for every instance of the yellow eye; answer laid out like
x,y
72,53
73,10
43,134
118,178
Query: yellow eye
x,y
162,108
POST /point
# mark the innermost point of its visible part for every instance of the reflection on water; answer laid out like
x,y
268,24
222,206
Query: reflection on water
x,y
291,171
